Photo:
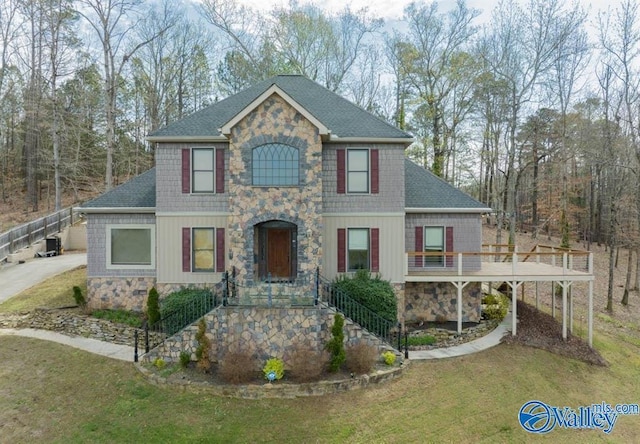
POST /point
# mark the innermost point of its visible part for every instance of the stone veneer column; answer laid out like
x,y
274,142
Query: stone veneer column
x,y
274,121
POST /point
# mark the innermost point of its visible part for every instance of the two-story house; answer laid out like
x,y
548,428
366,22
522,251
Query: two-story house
x,y
275,182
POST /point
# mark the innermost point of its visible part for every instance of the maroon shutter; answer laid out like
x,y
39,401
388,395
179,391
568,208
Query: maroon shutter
x,y
342,247
419,245
375,250
341,186
220,170
449,245
186,249
186,170
220,249
375,168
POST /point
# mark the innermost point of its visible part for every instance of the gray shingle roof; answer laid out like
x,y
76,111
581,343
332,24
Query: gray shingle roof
x,y
139,192
423,189
341,117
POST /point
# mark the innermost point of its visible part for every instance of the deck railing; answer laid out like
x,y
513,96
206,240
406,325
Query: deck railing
x,y
451,262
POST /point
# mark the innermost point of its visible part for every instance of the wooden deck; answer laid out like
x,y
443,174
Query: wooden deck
x,y
542,264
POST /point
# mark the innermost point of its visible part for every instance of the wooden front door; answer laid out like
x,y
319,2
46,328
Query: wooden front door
x,y
279,252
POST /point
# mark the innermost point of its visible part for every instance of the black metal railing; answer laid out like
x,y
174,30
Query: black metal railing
x,y
179,318
270,291
383,328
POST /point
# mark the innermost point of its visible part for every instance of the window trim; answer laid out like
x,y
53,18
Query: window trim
x,y
152,230
253,166
426,259
193,169
348,268
348,171
214,251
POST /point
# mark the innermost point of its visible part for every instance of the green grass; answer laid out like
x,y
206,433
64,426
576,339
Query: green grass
x,y
53,393
54,293
119,316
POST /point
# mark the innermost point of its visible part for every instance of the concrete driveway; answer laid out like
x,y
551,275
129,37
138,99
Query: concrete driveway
x,y
15,278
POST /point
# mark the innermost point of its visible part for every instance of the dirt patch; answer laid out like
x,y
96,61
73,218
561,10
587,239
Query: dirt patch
x,y
538,329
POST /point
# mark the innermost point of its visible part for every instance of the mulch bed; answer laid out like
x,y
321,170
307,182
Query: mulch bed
x,y
538,329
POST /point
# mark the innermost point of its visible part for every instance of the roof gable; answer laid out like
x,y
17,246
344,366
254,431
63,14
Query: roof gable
x,y
341,119
273,89
426,192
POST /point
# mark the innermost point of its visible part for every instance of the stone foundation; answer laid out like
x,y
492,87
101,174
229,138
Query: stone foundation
x,y
436,301
126,293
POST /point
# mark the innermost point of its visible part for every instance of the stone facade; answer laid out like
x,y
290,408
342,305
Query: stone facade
x,y
432,301
265,332
274,121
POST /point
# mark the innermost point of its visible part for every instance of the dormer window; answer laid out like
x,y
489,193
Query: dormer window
x,y
276,164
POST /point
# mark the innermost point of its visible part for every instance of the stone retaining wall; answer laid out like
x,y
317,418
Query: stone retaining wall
x,y
126,293
71,322
435,301
264,332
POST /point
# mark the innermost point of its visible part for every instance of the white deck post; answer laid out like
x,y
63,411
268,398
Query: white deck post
x,y
590,314
570,293
564,310
459,287
459,264
514,301
406,264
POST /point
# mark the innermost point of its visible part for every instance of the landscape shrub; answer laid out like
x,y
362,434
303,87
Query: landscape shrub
x,y
389,357
185,359
79,298
373,292
495,306
306,364
274,365
360,357
237,367
153,306
204,347
335,346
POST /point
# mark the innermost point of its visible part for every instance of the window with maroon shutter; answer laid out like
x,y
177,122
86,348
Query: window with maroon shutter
x,y
449,245
375,172
220,170
341,171
419,245
186,249
375,250
220,250
186,171
342,247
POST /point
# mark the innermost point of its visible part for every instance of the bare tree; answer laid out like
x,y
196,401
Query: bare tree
x,y
113,22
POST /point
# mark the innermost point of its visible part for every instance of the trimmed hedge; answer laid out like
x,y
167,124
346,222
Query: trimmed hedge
x,y
184,307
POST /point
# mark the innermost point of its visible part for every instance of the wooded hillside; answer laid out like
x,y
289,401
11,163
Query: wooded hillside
x,y
535,112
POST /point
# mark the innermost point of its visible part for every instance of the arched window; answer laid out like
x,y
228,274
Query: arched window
x,y
275,164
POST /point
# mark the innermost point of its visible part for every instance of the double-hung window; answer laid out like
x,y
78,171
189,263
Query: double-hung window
x,y
358,249
130,246
434,243
203,170
204,251
358,171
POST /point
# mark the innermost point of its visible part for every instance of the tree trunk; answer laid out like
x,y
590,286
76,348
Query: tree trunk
x,y
627,284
